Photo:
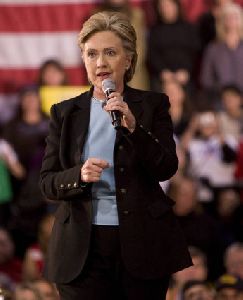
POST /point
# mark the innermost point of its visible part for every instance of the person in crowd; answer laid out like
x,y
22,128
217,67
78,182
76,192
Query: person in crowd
x,y
34,260
231,115
229,287
199,227
181,108
227,206
52,73
9,164
172,46
26,291
207,22
136,15
223,59
197,289
115,234
46,289
239,166
212,155
5,294
26,132
198,271
233,260
10,265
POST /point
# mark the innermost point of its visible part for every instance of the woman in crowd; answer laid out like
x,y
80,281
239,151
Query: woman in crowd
x,y
172,45
26,133
223,59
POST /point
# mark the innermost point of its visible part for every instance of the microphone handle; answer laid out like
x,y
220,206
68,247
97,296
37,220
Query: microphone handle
x,y
115,114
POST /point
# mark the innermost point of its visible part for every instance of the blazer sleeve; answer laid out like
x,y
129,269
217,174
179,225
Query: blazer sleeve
x,y
57,183
156,147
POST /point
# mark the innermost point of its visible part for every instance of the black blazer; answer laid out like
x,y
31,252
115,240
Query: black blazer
x,y
152,244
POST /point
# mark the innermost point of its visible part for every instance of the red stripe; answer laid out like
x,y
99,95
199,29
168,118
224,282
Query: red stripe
x,y
43,18
12,79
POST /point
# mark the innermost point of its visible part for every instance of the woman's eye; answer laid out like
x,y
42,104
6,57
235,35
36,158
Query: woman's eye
x,y
111,52
91,54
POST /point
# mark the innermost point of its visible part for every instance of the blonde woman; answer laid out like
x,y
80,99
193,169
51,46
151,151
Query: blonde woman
x,y
115,235
223,60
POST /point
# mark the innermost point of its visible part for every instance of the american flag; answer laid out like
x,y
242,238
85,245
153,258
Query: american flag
x,y
32,31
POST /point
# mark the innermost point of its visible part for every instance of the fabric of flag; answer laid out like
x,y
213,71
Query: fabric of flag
x,y
33,31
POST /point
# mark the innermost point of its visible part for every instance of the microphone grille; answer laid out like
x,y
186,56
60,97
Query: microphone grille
x,y
108,84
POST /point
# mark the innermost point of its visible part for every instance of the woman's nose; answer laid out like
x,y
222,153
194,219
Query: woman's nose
x,y
101,61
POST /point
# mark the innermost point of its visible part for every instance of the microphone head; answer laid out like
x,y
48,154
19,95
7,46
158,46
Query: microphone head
x,y
108,85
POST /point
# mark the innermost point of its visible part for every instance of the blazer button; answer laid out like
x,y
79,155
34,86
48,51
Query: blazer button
x,y
156,140
150,133
126,212
123,191
121,170
120,147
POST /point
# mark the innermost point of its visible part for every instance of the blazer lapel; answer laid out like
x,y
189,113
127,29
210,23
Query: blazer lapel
x,y
80,122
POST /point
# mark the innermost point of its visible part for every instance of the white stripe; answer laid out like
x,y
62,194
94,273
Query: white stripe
x,y
30,50
33,2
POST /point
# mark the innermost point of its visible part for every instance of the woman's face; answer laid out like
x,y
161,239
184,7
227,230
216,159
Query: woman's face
x,y
232,21
53,76
168,10
30,102
105,57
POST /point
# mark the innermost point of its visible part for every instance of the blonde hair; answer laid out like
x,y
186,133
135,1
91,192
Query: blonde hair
x,y
228,9
121,26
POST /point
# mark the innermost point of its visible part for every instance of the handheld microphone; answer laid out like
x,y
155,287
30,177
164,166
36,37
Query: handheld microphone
x,y
108,86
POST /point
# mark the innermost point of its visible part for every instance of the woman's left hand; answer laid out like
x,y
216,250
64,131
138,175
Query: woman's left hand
x,y
116,102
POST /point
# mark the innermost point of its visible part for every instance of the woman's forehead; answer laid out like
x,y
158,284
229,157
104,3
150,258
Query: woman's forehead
x,y
103,39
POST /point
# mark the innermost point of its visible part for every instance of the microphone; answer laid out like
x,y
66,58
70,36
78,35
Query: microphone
x,y
108,86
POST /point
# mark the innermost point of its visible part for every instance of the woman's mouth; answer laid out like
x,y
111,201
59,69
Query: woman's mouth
x,y
103,75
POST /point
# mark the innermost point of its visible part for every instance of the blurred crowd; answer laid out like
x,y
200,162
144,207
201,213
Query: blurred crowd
x,y
197,60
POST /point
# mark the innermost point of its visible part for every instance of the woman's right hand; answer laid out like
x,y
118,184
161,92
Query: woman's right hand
x,y
92,169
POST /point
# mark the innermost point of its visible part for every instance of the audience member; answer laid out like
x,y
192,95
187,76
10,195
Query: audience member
x,y
34,260
231,115
180,110
200,229
172,45
233,260
46,289
52,73
207,22
26,291
9,163
199,271
26,133
227,204
229,287
197,290
212,155
10,265
223,59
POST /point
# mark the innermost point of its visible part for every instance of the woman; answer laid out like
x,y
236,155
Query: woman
x,y
172,46
26,132
223,59
115,234
138,21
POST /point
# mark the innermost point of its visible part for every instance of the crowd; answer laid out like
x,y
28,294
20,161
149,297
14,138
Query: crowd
x,y
198,63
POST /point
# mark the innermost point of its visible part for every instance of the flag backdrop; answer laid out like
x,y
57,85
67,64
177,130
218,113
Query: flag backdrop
x,y
32,31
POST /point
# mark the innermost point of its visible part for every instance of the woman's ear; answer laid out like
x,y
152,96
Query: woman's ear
x,y
128,61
